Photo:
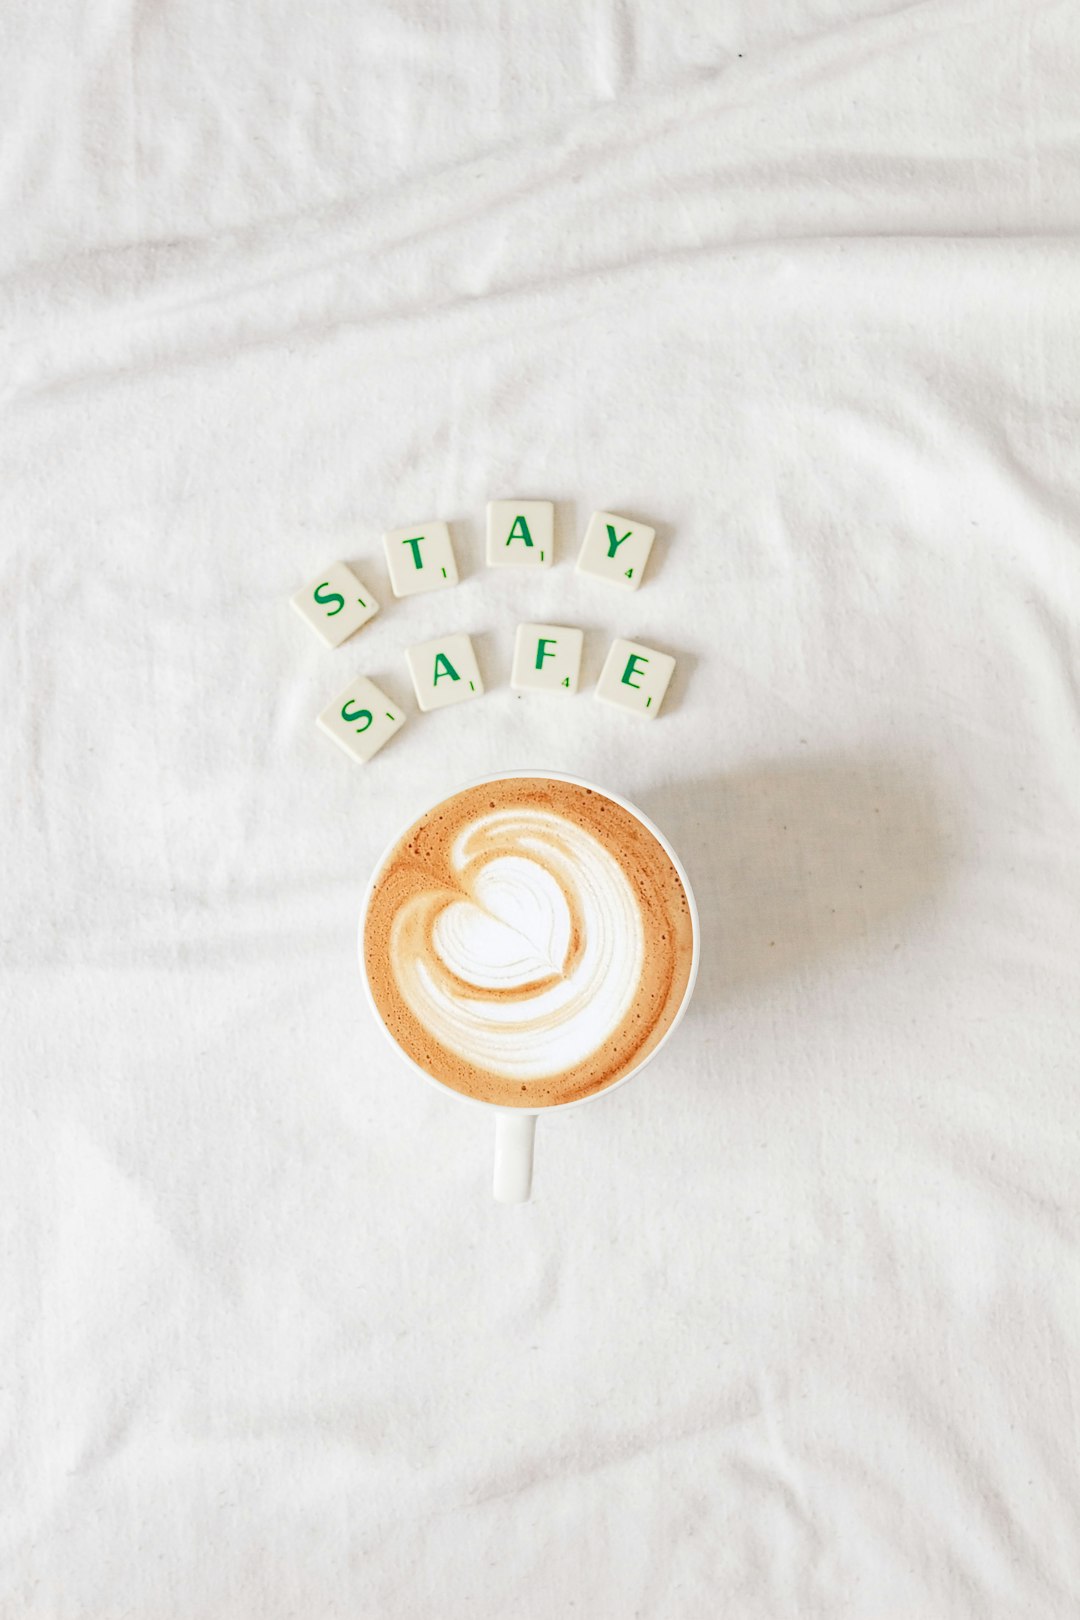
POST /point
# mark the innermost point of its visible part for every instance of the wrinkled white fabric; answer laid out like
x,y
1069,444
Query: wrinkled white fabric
x,y
791,1326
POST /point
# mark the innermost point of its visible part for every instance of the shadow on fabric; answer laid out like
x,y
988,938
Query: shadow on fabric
x,y
795,861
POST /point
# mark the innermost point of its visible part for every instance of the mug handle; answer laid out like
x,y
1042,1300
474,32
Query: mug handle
x,y
515,1130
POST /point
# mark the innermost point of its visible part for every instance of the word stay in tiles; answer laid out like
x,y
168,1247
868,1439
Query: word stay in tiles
x,y
420,557
335,604
444,671
520,534
361,719
547,658
615,549
635,677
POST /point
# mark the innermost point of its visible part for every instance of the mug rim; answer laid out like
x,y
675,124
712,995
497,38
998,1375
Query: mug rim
x,y
576,1102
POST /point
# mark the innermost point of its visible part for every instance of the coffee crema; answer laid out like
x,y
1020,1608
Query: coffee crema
x,y
528,942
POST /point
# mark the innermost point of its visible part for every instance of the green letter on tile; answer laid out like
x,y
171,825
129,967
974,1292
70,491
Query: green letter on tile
x,y
520,531
418,561
613,542
447,669
328,597
357,714
631,669
542,650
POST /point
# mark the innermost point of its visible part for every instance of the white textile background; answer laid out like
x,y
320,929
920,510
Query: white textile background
x,y
792,1325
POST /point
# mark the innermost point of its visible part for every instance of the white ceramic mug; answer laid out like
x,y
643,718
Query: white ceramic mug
x,y
515,1128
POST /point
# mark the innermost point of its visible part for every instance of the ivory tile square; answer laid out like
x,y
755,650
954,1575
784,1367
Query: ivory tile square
x,y
335,604
520,534
361,719
547,658
420,557
635,677
615,549
444,671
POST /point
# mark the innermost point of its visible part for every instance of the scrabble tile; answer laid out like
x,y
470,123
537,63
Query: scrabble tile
x,y
615,549
335,604
444,671
420,558
547,658
520,534
635,677
361,719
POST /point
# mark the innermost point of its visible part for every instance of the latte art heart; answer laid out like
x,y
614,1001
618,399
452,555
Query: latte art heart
x,y
493,978
528,941
514,932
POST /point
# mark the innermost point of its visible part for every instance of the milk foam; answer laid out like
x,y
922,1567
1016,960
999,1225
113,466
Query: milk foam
x,y
531,962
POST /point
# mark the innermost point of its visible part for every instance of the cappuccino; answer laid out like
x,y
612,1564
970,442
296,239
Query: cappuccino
x,y
528,942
